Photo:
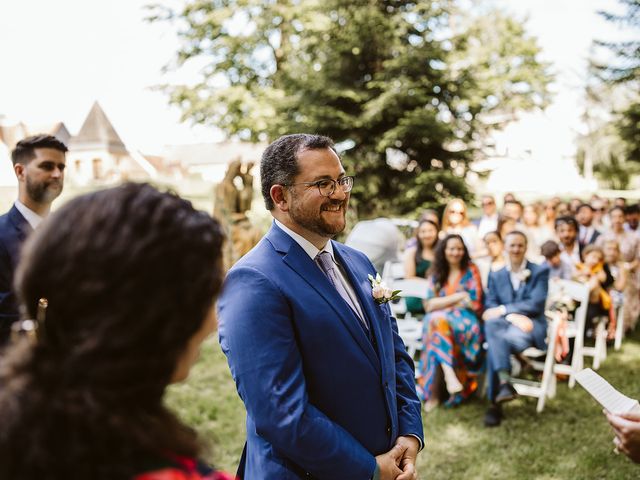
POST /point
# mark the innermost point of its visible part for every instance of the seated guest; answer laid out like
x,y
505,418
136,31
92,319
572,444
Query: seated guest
x,y
489,220
567,233
619,270
632,218
513,209
513,320
629,244
587,234
558,268
506,225
428,214
536,233
119,287
456,220
595,273
494,260
418,259
452,333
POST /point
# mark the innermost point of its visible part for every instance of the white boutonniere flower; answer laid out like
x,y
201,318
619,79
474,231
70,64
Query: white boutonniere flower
x,y
380,291
524,275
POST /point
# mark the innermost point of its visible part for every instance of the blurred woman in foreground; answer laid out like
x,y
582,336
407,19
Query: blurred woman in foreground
x,y
121,284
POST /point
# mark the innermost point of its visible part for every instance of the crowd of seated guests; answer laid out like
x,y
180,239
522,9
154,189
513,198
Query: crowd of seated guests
x,y
488,282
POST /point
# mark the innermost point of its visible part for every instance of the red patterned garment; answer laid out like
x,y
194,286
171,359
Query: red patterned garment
x,y
184,469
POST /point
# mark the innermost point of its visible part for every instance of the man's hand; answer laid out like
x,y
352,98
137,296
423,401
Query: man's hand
x,y
408,461
627,430
493,313
389,462
523,322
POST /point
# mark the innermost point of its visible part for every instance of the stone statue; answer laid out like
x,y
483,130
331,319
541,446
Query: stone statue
x,y
231,203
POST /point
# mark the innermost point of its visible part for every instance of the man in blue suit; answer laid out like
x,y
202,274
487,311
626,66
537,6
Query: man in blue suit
x,y
39,163
327,384
514,319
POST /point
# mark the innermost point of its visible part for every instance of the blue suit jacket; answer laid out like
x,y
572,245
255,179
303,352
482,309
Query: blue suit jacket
x,y
14,229
321,401
529,300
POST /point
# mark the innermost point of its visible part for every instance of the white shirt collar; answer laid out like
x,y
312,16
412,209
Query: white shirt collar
x,y
30,216
306,245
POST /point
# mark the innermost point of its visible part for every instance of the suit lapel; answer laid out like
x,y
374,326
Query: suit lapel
x,y
20,223
298,260
362,287
509,290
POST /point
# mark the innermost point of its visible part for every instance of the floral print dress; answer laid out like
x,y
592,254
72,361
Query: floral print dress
x,y
453,336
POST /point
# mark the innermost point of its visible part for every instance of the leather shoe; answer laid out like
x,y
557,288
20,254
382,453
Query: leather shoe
x,y
506,393
493,416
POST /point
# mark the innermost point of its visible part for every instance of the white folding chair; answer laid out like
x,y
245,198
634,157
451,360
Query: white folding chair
x,y
410,327
619,311
575,329
546,387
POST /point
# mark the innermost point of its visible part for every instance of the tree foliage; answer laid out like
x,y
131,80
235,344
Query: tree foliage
x,y
624,69
410,90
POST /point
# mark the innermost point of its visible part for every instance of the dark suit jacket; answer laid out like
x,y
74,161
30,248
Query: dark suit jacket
x,y
528,300
322,399
14,229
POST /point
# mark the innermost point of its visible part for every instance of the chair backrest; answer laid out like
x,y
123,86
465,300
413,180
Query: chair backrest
x,y
393,270
576,291
411,287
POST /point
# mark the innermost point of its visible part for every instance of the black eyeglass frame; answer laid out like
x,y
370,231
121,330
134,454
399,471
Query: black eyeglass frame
x,y
346,184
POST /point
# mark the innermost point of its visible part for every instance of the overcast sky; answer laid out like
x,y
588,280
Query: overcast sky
x,y
60,56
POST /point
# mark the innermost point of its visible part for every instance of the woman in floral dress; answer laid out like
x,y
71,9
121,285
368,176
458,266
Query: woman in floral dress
x,y
452,329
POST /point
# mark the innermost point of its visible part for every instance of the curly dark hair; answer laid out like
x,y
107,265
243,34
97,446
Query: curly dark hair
x,y
279,163
25,148
440,266
130,274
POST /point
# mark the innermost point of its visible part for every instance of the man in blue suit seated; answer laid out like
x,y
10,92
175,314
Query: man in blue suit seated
x,y
514,319
328,387
38,163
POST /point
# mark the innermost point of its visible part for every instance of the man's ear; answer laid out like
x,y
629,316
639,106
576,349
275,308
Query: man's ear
x,y
19,170
279,197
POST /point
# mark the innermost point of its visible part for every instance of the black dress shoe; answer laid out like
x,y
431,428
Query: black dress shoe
x,y
506,393
493,416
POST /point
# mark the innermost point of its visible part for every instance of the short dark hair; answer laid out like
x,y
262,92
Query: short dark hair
x,y
549,249
585,205
25,148
566,219
631,209
517,232
279,163
130,274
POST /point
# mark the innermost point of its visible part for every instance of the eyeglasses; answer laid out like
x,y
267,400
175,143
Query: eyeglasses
x,y
486,204
328,186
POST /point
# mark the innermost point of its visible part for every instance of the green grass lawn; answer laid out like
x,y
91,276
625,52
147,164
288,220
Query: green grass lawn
x,y
570,439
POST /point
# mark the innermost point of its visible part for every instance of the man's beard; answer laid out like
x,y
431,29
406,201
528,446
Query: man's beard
x,y
43,192
315,223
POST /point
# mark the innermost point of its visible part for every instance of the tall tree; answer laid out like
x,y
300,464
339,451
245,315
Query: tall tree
x,y
624,69
408,89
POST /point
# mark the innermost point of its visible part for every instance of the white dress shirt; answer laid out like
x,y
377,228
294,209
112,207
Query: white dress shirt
x,y
313,252
30,216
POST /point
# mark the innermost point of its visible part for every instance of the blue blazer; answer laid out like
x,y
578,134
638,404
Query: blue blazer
x,y
529,300
322,399
14,229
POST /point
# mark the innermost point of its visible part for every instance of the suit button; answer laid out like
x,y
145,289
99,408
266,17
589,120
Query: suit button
x,y
388,430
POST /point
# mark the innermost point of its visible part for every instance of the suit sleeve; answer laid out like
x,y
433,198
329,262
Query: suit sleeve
x,y
533,305
257,336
